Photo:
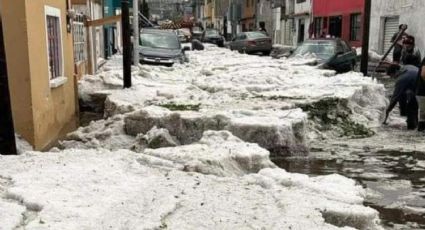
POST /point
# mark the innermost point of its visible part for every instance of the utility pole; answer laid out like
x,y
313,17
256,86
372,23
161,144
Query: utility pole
x,y
225,27
126,42
136,32
365,44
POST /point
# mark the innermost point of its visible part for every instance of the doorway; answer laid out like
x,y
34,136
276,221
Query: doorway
x,y
301,30
7,132
335,26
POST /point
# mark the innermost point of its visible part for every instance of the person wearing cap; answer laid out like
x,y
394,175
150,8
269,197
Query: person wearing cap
x,y
410,49
398,46
404,91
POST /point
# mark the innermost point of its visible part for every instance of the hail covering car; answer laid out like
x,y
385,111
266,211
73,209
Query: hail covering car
x,y
331,53
213,36
160,47
251,42
183,34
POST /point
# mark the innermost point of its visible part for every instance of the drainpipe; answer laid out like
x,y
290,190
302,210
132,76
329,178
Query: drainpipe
x,y
126,42
136,32
365,39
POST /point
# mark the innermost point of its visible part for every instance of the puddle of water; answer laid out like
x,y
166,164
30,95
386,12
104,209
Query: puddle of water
x,y
394,181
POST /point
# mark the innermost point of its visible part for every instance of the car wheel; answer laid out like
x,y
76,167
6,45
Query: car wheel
x,y
353,66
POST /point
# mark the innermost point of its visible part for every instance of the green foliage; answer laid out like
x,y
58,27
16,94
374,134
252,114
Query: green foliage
x,y
333,113
181,107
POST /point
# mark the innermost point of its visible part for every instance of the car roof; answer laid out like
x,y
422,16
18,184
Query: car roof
x,y
324,40
157,31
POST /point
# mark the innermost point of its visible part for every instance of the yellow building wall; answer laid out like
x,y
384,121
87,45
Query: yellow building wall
x,y
249,11
208,10
19,77
54,110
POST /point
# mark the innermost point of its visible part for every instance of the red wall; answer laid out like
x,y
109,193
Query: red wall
x,y
326,8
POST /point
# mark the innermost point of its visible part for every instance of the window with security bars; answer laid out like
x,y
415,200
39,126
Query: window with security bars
x,y
79,37
54,45
355,26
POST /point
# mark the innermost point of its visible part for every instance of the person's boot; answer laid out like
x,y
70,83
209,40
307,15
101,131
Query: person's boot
x,y
421,126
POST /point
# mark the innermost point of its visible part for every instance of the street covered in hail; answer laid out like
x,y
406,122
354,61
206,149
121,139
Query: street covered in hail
x,y
197,146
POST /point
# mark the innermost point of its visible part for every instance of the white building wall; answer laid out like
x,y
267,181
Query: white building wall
x,y
276,26
410,12
302,7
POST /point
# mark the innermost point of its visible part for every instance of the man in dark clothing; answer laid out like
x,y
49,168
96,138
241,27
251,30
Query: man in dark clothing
x,y
263,27
399,44
420,96
410,51
197,45
404,92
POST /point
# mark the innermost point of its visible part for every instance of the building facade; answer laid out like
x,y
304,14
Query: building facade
x,y
248,15
295,21
336,18
387,15
264,14
208,13
40,69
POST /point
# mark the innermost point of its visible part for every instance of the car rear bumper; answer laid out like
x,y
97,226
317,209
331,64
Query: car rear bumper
x,y
252,49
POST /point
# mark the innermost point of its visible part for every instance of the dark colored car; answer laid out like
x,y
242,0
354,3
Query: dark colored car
x,y
213,36
330,53
161,47
252,42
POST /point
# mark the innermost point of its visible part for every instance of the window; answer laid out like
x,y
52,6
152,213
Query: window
x,y
355,25
54,42
300,1
345,46
79,37
318,27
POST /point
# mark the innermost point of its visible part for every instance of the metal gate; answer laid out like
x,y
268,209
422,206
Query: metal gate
x,y
7,133
79,36
390,28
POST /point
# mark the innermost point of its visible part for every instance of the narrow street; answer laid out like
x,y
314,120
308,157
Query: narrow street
x,y
212,114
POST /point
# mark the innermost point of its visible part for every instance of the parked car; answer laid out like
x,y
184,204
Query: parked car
x,y
183,34
197,33
160,47
213,36
332,53
251,42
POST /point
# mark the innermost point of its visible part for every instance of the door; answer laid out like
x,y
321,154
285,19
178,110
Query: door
x,y
301,30
237,44
335,26
390,28
7,133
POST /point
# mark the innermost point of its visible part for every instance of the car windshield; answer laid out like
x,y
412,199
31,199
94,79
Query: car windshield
x,y
211,32
255,35
321,49
164,41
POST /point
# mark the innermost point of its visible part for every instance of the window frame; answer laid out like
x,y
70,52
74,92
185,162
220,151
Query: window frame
x,y
54,12
354,27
